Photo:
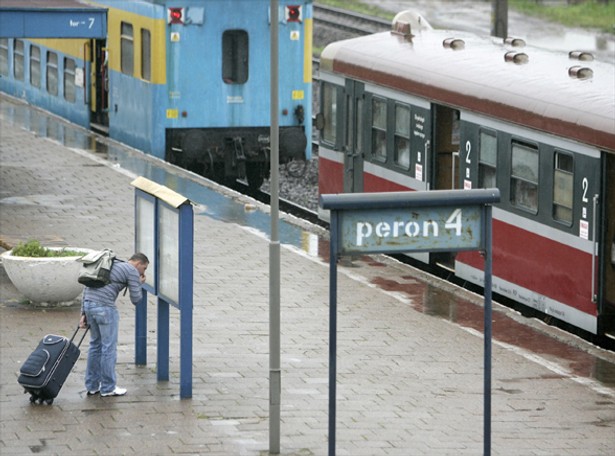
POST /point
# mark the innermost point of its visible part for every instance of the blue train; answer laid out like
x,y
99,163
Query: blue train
x,y
186,81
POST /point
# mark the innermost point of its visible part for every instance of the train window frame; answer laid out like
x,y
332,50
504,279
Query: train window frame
x,y
18,60
487,164
378,129
235,56
330,112
563,188
4,56
524,191
70,89
146,54
127,51
51,73
35,66
402,136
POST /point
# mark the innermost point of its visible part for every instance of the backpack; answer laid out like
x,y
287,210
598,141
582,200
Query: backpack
x,y
96,268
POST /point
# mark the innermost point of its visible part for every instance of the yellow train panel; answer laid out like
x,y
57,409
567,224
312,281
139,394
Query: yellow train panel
x,y
70,46
157,28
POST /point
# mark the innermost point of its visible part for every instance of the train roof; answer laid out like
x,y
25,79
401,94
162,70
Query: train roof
x,y
546,90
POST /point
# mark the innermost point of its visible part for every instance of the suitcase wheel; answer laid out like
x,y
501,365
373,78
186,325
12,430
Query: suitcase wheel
x,y
34,399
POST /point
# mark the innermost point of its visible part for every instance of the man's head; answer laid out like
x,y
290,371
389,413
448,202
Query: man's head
x,y
139,261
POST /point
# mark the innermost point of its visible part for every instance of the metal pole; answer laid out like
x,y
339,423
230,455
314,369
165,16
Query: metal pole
x,y
499,18
487,340
333,242
275,373
141,331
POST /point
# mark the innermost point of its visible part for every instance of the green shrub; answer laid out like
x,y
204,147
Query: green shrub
x,y
34,249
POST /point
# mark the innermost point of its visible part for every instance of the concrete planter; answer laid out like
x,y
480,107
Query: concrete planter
x,y
49,281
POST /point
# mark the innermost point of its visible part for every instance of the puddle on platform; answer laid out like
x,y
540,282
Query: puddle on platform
x,y
433,301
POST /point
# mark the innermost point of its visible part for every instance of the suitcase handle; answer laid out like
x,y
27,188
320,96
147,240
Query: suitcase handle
x,y
82,337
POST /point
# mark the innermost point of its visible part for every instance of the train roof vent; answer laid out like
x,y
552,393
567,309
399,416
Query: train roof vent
x,y
579,72
581,55
402,28
416,21
514,42
518,58
455,44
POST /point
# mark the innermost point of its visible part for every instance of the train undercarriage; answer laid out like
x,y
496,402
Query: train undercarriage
x,y
226,155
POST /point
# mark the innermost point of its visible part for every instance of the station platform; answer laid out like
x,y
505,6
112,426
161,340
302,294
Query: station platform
x,y
410,348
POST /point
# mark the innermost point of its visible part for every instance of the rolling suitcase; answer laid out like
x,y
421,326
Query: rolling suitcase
x,y
46,369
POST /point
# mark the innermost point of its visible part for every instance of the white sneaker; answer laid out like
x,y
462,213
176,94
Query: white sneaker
x,y
116,392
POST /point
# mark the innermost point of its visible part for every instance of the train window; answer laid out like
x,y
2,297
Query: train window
x,y
127,49
4,56
524,178
146,55
18,63
563,178
401,152
235,56
379,128
52,73
35,66
487,160
69,80
329,102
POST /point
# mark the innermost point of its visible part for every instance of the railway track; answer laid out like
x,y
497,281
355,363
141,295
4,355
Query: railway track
x,y
348,21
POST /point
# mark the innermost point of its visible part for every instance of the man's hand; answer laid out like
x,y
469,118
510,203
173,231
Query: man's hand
x,y
142,278
83,321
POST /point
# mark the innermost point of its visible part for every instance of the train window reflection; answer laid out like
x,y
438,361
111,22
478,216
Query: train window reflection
x,y
4,56
235,56
329,102
127,49
35,66
52,73
563,178
69,80
401,153
18,63
379,129
146,55
487,160
524,178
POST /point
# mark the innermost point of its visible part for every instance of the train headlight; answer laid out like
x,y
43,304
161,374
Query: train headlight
x,y
294,13
175,16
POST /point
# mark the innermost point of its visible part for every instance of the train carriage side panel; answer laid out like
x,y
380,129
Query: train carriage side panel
x,y
541,259
136,91
48,73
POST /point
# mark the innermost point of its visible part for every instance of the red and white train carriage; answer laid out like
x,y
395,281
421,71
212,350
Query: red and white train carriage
x,y
420,109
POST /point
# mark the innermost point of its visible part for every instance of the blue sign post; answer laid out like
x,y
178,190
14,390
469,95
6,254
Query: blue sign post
x,y
398,222
164,231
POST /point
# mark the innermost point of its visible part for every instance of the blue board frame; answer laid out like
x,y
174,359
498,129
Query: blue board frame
x,y
180,263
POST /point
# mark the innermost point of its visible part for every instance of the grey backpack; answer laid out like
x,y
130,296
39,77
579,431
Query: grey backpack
x,y
96,268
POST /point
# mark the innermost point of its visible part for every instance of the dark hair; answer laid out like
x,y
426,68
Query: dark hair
x,y
140,257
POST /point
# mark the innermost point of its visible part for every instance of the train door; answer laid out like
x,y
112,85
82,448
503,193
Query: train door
x,y
607,310
353,137
445,157
99,87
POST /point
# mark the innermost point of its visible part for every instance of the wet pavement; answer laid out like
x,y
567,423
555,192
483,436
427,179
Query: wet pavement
x,y
475,16
410,345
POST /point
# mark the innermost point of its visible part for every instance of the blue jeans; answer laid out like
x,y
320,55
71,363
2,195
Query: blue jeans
x,y
102,355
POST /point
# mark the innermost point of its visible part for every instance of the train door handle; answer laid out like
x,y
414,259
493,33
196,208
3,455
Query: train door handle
x,y
594,247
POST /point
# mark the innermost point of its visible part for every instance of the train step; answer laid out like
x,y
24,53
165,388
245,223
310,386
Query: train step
x,y
100,128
